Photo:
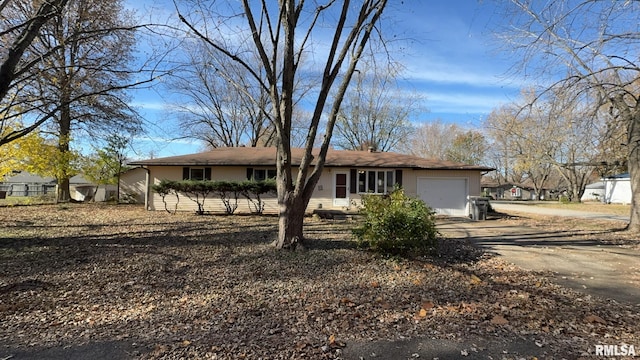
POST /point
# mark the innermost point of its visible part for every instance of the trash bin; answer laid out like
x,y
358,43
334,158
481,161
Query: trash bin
x,y
479,208
3,194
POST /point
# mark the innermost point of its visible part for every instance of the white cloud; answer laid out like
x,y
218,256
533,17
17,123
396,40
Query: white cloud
x,y
149,105
451,75
443,71
161,146
464,103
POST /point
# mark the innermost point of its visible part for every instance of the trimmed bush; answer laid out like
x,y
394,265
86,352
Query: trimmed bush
x,y
396,224
252,190
228,191
165,188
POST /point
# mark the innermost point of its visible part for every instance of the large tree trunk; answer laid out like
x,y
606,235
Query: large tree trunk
x,y
117,187
63,190
63,165
292,201
538,185
633,163
291,221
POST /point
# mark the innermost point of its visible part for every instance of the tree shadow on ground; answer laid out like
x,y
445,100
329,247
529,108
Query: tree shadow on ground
x,y
337,235
493,232
52,255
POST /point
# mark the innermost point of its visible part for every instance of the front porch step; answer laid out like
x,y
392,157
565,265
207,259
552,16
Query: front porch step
x,y
336,214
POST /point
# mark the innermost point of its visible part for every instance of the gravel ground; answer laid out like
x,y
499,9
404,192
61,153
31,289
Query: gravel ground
x,y
123,281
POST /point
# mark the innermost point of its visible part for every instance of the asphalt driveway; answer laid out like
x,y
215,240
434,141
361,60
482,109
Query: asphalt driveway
x,y
588,266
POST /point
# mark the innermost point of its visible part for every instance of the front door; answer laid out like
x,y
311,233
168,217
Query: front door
x,y
340,189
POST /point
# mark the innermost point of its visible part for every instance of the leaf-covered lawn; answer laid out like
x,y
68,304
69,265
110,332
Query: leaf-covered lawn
x,y
213,287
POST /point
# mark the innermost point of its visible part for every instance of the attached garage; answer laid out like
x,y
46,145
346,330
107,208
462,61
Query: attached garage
x,y
447,196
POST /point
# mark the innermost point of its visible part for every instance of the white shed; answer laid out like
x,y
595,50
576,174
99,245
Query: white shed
x,y
617,189
84,190
593,192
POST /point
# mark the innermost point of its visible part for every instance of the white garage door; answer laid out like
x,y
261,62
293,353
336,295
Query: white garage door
x,y
446,196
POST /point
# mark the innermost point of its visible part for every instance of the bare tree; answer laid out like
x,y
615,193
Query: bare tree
x,y
501,156
431,139
16,36
375,112
552,135
223,105
598,57
20,29
525,136
577,152
281,35
438,140
27,106
612,149
468,147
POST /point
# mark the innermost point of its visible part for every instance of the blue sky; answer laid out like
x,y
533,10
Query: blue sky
x,y
449,55
454,61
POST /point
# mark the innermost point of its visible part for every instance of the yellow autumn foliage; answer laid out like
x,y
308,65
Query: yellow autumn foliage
x,y
18,153
34,154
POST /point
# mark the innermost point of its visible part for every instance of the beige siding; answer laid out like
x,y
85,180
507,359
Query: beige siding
x,y
133,184
323,194
322,198
213,203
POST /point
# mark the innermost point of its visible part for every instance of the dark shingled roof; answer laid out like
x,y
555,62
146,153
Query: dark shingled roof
x,y
266,156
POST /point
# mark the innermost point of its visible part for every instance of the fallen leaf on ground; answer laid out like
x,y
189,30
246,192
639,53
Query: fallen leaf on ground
x,y
591,318
499,320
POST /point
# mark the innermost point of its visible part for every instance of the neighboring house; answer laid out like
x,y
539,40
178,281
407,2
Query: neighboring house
x,y
498,191
26,184
512,191
617,189
594,192
445,186
83,190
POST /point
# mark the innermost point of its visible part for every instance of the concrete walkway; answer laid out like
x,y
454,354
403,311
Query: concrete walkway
x,y
588,266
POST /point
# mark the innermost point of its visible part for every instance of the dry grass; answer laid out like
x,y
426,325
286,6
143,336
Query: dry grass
x,y
26,200
614,209
186,286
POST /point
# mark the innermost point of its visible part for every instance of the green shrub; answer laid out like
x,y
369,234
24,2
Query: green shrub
x,y
396,224
165,188
253,190
228,191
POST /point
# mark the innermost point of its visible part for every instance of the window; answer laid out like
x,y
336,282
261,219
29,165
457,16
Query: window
x,y
390,182
196,173
376,181
261,174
